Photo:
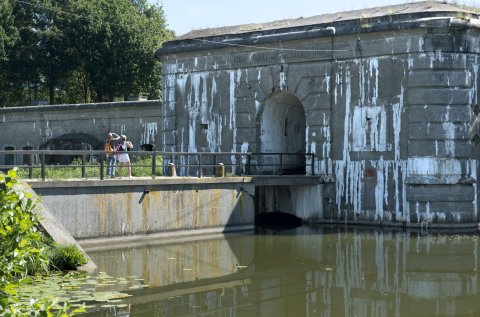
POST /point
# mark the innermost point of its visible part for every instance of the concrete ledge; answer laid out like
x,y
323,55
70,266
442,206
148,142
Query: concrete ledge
x,y
443,227
159,238
137,181
288,180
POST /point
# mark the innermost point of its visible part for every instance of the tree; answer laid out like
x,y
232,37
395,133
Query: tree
x,y
8,32
8,37
83,50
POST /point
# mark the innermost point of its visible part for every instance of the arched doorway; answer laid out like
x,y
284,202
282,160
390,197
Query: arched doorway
x,y
282,130
71,141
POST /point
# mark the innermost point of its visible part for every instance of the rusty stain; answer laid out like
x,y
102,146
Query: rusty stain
x,y
145,208
110,213
129,213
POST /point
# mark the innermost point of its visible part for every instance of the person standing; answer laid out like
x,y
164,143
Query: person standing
x,y
123,157
109,153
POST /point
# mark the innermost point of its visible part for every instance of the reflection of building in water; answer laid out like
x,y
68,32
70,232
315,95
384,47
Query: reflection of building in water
x,y
309,274
119,311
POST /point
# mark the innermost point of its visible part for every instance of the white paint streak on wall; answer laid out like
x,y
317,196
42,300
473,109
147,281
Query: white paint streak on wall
x,y
348,173
340,166
325,167
258,104
214,132
149,132
373,63
244,149
170,86
338,85
449,129
380,189
409,50
234,80
369,129
430,166
473,90
473,174
282,81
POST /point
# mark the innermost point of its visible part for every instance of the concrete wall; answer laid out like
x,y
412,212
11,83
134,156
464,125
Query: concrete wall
x,y
96,209
387,112
82,126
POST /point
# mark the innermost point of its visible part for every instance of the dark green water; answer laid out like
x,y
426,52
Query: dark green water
x,y
301,272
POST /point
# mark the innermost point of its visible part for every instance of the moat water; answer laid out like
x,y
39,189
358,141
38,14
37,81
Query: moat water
x,y
299,272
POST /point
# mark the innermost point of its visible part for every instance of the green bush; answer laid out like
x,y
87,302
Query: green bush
x,y
66,257
142,166
22,248
22,251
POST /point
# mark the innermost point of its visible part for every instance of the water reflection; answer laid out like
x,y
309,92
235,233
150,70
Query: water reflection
x,y
302,272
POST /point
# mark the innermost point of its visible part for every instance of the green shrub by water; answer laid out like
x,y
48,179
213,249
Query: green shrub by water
x,y
23,251
65,257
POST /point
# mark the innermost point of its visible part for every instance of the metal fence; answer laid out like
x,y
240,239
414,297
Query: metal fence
x,y
92,163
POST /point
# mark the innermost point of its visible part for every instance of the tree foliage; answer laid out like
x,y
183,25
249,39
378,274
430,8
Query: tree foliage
x,y
68,51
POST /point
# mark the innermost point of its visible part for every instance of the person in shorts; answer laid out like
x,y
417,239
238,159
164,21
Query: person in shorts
x,y
122,154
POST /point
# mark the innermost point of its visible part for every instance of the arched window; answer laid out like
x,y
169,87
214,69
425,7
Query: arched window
x,y
9,158
147,147
27,158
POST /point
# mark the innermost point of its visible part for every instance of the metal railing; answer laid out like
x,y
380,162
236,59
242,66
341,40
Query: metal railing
x,y
92,163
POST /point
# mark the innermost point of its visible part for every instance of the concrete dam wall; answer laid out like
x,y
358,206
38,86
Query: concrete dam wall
x,y
100,209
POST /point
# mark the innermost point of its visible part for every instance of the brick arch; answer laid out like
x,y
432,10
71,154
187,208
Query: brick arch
x,y
281,128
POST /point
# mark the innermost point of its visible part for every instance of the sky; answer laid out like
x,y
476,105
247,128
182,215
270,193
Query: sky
x,y
186,15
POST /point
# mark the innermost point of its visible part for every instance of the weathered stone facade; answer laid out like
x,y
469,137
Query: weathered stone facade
x,y
78,127
383,97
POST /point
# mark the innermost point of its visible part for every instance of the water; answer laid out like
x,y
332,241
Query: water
x,y
301,272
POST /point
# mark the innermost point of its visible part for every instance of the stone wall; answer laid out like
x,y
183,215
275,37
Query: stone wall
x,y
82,126
386,112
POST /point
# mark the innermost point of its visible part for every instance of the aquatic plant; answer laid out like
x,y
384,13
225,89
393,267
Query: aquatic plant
x,y
65,257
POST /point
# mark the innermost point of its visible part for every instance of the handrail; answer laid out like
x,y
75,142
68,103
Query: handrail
x,y
247,163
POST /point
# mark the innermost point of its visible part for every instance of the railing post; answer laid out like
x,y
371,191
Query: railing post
x,y
172,171
154,164
214,163
199,157
102,157
313,164
30,164
220,170
83,165
42,168
281,164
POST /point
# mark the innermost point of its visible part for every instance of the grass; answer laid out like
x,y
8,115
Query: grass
x,y
141,167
